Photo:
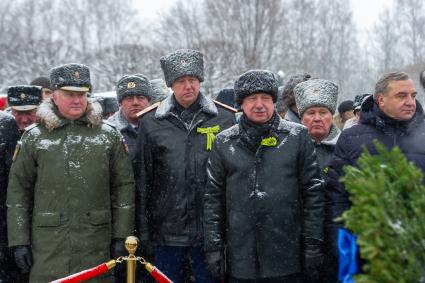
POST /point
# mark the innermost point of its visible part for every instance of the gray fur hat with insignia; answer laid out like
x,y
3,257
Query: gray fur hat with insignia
x,y
182,62
133,85
24,97
160,90
316,92
71,77
255,81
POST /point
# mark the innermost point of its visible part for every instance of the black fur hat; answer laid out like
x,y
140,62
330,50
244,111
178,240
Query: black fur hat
x,y
255,81
24,97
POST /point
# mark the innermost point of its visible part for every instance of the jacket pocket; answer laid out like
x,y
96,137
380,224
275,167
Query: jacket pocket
x,y
47,219
100,217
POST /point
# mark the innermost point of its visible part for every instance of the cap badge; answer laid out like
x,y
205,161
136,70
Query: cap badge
x,y
77,74
131,85
23,95
184,63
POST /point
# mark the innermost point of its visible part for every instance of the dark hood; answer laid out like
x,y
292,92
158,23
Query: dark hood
x,y
372,115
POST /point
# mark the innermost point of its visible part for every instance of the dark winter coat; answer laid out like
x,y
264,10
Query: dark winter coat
x,y
127,130
71,191
326,147
409,136
172,162
261,205
9,135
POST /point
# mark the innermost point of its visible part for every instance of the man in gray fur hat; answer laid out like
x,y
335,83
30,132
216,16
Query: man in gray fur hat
x,y
175,139
264,200
71,193
316,101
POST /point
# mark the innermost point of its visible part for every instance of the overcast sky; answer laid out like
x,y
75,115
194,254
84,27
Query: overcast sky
x,y
365,11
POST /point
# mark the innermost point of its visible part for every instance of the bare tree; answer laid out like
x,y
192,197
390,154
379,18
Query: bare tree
x,y
411,17
387,41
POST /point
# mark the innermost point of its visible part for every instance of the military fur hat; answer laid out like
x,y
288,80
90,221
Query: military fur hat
x,y
316,92
72,77
160,90
183,62
24,97
41,81
255,81
346,105
133,85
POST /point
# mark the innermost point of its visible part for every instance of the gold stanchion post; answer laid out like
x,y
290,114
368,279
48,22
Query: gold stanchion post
x,y
131,247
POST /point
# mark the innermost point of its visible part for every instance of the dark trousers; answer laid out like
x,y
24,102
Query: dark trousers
x,y
170,261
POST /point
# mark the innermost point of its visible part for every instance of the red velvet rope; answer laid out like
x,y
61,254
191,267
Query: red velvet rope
x,y
159,276
84,275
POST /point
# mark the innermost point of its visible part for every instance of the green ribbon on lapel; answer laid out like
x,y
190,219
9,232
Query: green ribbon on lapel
x,y
210,132
270,141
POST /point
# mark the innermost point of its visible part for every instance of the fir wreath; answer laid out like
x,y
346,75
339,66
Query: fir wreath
x,y
388,216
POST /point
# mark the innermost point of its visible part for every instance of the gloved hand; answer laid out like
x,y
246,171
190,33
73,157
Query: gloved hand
x,y
23,257
313,260
215,263
117,250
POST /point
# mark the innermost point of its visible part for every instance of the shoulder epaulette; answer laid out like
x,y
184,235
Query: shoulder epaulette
x,y
226,106
148,109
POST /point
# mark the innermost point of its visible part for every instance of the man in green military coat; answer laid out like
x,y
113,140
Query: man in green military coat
x,y
71,189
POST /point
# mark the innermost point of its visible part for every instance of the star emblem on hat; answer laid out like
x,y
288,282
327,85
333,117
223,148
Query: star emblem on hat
x,y
77,74
131,85
23,95
184,63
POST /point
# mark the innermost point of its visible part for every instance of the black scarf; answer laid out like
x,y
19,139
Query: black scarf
x,y
252,134
187,114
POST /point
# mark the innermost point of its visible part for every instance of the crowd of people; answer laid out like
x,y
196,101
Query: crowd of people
x,y
242,190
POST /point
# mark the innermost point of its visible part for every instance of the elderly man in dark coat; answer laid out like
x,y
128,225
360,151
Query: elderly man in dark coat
x,y
391,116
264,200
316,102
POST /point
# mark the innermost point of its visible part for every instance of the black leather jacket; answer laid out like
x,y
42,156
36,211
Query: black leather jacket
x,y
171,171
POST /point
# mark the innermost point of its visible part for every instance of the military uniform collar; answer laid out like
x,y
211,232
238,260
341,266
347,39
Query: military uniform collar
x,y
49,117
167,105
